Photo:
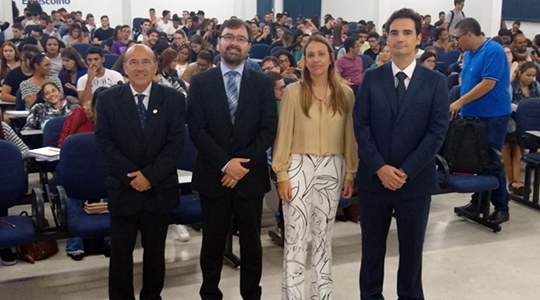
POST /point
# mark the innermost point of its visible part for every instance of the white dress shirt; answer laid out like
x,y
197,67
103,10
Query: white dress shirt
x,y
146,93
408,71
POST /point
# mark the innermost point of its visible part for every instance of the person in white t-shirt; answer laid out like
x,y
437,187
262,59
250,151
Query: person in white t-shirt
x,y
98,76
145,25
165,24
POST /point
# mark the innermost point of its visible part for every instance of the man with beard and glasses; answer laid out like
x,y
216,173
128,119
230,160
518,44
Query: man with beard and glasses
x,y
232,121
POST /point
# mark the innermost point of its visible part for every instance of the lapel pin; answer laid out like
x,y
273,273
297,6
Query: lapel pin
x,y
155,111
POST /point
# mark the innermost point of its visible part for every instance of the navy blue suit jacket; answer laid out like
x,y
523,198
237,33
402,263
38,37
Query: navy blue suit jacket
x,y
406,138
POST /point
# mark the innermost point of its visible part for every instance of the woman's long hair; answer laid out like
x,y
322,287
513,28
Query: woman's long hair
x,y
4,68
90,106
336,36
71,53
339,102
165,60
523,67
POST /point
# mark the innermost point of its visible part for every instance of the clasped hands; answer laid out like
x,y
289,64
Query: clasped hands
x,y
391,177
234,172
139,183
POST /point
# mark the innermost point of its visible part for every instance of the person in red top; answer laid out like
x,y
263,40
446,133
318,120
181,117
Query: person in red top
x,y
81,119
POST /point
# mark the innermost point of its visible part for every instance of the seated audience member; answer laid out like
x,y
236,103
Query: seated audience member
x,y
197,43
104,32
519,48
75,36
15,77
255,29
210,34
37,33
350,66
299,49
287,64
146,24
203,63
506,36
374,46
73,68
361,36
279,86
7,258
9,59
188,25
271,64
53,106
120,46
523,86
337,38
514,65
182,59
179,39
426,28
384,56
18,34
165,24
429,60
117,35
442,40
52,50
165,74
30,88
265,35
152,36
50,30
97,76
286,40
119,63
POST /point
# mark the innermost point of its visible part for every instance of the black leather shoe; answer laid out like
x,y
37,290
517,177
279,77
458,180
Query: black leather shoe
x,y
76,256
469,208
499,217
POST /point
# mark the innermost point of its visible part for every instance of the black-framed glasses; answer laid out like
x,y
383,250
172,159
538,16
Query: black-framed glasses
x,y
229,38
460,36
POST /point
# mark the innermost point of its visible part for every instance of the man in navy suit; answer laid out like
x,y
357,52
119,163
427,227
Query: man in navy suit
x,y
140,131
232,120
400,117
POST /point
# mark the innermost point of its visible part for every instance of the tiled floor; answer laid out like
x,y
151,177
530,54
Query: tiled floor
x,y
462,261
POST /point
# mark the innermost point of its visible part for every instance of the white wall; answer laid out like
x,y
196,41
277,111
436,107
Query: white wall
x,y
529,29
349,10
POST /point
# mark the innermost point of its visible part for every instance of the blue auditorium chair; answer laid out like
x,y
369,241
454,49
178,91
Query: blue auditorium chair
x,y
110,59
13,187
82,49
527,119
453,80
258,51
81,174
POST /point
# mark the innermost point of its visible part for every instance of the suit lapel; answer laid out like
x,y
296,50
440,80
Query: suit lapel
x,y
154,112
243,95
389,86
412,90
130,111
222,100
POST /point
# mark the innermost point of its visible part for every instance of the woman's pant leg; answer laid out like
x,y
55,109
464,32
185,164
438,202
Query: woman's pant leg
x,y
296,216
327,186
74,245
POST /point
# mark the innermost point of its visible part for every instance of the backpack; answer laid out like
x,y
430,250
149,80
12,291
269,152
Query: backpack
x,y
452,17
466,148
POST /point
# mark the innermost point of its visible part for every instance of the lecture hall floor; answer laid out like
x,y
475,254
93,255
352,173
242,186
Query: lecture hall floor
x,y
462,261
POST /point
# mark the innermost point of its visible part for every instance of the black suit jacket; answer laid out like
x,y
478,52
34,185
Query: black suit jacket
x,y
406,138
154,152
218,140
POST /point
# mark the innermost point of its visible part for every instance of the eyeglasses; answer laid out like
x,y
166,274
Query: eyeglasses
x,y
269,68
229,38
282,61
280,88
460,36
135,63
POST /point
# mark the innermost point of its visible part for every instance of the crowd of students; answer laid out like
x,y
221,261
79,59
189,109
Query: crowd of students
x,y
54,80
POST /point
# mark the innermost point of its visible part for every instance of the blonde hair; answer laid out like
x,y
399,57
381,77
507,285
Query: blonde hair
x,y
339,102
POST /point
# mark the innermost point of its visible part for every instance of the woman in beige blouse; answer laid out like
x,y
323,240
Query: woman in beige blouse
x,y
315,158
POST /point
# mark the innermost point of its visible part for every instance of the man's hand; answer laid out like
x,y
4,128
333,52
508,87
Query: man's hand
x,y
71,86
347,189
92,72
235,168
455,108
140,183
392,178
228,181
284,191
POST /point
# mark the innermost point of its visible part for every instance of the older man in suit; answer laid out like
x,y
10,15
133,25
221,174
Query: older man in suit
x,y
401,117
232,121
140,131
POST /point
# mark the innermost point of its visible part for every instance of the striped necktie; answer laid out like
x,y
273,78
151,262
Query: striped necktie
x,y
232,92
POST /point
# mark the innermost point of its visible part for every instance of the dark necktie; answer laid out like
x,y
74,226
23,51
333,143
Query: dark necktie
x,y
141,109
400,89
232,92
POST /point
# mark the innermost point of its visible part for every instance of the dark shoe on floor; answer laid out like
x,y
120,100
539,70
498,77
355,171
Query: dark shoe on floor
x,y
107,251
469,208
7,258
342,218
76,256
499,217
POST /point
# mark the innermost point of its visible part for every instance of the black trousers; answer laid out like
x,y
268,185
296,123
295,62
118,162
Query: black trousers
x,y
216,215
375,217
124,230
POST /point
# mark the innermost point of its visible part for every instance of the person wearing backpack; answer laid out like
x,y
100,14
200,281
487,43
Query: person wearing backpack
x,y
485,95
454,16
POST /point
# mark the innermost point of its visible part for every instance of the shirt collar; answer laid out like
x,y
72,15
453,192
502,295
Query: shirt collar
x,y
146,92
225,69
408,70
